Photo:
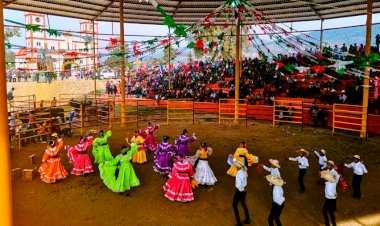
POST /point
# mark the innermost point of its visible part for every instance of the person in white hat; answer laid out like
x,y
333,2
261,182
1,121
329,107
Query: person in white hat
x,y
303,164
241,191
274,168
359,170
330,194
332,169
322,159
278,199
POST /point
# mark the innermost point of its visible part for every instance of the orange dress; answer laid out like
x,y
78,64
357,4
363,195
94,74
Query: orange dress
x,y
52,168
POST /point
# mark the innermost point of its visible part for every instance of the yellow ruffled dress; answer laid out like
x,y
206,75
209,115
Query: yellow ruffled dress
x,y
140,156
239,155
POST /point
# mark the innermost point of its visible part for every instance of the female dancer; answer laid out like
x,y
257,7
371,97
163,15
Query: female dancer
x,y
126,177
163,157
203,173
101,149
52,168
182,142
79,157
241,154
178,187
140,155
147,133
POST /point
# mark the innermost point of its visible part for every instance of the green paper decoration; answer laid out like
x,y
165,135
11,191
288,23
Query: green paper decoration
x,y
33,28
191,45
341,71
52,32
9,45
290,67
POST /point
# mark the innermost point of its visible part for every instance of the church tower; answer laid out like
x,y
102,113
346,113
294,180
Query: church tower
x,y
86,34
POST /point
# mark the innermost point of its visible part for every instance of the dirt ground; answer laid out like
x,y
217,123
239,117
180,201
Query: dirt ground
x,y
87,201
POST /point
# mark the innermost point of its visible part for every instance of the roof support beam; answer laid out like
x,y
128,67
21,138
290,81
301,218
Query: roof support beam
x,y
101,12
176,8
8,3
310,3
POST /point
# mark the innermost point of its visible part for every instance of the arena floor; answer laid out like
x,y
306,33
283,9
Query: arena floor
x,y
86,200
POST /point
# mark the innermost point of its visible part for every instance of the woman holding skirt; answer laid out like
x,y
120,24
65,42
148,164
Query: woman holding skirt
x,y
147,133
242,154
178,187
52,169
163,157
182,142
140,156
118,174
101,149
81,161
203,173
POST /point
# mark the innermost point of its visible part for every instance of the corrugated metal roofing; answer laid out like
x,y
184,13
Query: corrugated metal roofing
x,y
190,11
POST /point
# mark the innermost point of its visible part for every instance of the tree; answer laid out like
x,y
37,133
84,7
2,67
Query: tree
x,y
172,53
11,32
10,58
9,55
115,57
190,57
228,43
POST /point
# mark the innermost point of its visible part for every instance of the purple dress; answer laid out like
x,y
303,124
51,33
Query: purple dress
x,y
182,146
162,157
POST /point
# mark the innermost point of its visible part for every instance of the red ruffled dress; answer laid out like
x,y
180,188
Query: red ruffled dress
x,y
82,163
150,141
178,187
72,152
52,168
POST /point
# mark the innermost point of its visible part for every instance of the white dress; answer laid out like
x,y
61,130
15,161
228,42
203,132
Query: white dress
x,y
203,173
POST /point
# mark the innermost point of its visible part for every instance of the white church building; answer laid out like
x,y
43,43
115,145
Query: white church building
x,y
49,53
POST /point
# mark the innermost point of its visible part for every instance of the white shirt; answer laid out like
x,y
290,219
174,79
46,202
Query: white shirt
x,y
273,171
321,160
336,174
330,190
303,163
278,195
241,180
359,168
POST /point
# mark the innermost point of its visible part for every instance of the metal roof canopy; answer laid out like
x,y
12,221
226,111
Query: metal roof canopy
x,y
190,11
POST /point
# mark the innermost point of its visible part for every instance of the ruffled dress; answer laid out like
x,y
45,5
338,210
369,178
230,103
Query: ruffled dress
x,y
203,173
101,149
72,152
118,174
140,155
82,162
52,169
239,155
150,141
182,144
163,158
178,187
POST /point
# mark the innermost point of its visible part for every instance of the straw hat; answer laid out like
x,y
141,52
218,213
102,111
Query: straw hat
x,y
357,156
303,150
328,176
277,181
240,164
331,163
275,162
323,151
54,135
343,91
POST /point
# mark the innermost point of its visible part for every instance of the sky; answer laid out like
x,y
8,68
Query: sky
x,y
63,23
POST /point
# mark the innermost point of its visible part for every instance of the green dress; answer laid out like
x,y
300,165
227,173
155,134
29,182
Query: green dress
x,y
101,150
126,177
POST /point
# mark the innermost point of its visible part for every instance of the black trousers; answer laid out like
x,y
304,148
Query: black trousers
x,y
275,213
329,207
240,197
301,174
356,181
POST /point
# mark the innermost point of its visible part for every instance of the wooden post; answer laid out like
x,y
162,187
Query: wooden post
x,y
274,113
81,110
5,163
94,58
363,132
237,70
321,39
122,70
169,76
